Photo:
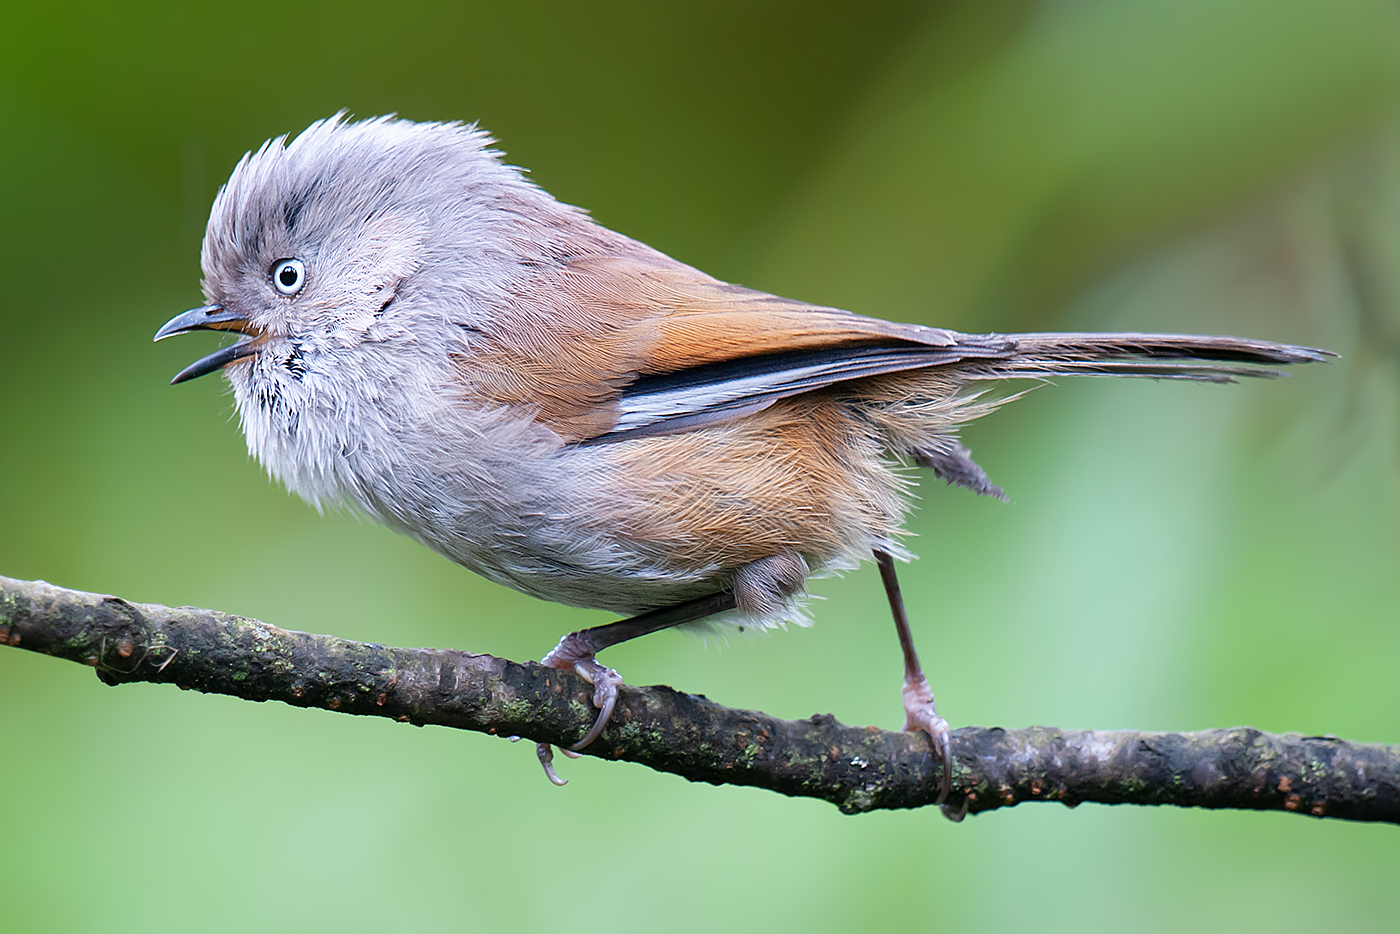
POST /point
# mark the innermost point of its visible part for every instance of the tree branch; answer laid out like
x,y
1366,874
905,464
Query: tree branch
x,y
855,768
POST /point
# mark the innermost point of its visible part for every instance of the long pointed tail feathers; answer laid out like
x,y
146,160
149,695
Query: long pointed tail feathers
x,y
1039,356
1162,356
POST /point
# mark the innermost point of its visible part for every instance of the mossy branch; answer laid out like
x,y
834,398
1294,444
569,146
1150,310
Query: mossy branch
x,y
855,768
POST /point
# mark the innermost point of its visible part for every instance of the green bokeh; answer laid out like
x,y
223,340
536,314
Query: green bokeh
x,y
1177,557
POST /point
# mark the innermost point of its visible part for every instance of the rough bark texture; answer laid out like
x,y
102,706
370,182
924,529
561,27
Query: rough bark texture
x,y
855,768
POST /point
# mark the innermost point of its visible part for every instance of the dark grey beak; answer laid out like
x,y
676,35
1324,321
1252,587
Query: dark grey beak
x,y
210,318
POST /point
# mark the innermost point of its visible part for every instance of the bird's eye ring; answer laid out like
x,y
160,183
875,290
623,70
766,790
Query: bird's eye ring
x,y
288,276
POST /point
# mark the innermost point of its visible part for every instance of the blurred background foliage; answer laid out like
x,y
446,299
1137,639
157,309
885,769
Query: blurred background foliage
x,y
1177,557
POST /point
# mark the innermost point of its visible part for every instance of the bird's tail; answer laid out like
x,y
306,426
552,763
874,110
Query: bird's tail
x,y
1161,356
921,422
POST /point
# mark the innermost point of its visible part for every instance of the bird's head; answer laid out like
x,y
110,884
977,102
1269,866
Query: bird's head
x,y
340,237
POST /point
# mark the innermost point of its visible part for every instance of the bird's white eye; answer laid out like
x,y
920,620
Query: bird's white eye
x,y
288,276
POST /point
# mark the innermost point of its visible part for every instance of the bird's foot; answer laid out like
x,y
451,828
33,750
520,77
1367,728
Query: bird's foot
x,y
605,683
569,656
920,715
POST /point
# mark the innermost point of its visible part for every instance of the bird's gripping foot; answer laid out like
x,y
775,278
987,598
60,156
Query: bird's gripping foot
x,y
573,654
920,715
576,652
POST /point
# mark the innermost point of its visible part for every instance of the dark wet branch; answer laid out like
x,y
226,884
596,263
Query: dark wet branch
x,y
855,768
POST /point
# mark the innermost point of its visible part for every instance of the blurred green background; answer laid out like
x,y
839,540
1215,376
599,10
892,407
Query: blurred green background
x,y
1177,557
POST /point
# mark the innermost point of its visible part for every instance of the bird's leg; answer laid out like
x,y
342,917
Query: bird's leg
x,y
919,711
575,652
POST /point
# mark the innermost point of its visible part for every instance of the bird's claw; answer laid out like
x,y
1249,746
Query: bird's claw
x,y
546,754
920,715
605,683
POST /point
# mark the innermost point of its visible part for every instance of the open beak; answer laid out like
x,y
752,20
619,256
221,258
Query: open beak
x,y
211,318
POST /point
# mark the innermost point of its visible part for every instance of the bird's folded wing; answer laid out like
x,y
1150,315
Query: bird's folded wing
x,y
629,342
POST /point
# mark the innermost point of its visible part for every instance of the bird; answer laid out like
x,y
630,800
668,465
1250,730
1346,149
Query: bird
x,y
428,337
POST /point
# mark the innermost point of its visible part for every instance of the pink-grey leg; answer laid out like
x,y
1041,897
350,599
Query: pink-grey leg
x,y
920,714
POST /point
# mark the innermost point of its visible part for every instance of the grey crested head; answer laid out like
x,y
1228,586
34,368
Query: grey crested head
x,y
353,259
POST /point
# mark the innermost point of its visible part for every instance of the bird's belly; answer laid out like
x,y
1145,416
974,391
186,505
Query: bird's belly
x,y
634,525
